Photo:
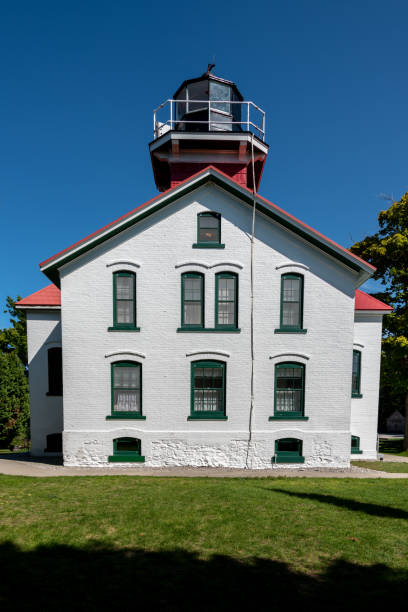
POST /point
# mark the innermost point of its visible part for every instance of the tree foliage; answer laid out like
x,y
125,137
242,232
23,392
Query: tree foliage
x,y
388,251
14,338
14,405
14,402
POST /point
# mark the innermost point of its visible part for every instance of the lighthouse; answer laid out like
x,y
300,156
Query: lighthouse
x,y
208,122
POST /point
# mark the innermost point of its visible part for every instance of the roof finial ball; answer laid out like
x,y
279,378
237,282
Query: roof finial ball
x,y
207,122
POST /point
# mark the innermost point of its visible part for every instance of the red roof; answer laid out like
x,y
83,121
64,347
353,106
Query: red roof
x,y
364,301
49,296
319,235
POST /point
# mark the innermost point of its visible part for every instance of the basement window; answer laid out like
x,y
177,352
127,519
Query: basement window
x,y
355,446
288,450
126,450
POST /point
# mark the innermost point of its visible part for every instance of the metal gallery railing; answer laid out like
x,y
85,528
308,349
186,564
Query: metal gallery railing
x,y
168,116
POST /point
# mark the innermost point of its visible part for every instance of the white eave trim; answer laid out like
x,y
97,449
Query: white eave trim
x,y
372,312
28,307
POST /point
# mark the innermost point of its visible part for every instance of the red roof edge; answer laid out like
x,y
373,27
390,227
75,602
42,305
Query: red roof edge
x,y
364,301
164,193
49,296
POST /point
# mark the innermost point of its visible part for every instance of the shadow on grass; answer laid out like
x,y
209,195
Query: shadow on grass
x,y
100,578
348,504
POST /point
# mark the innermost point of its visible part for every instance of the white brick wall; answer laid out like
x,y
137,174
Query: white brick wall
x,y
43,332
159,244
364,410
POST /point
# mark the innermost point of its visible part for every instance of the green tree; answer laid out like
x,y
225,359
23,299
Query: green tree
x,y
14,404
15,336
388,251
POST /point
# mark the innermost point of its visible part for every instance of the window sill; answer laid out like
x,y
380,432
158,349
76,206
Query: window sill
x,y
209,330
126,458
280,459
294,417
282,330
49,394
124,329
358,395
356,452
122,416
208,245
207,417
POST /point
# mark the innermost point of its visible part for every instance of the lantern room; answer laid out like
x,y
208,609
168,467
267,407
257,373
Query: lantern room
x,y
208,122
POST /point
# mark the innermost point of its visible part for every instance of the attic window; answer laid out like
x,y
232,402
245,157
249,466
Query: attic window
x,y
208,231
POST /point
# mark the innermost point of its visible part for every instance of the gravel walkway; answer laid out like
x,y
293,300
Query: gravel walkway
x,y
22,465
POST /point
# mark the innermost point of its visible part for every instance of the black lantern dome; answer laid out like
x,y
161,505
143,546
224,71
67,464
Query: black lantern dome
x,y
208,103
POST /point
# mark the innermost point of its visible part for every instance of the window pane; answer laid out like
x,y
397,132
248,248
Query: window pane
x,y
288,445
291,288
288,401
124,311
127,377
226,312
128,445
209,221
192,288
290,313
209,235
219,91
124,287
207,399
192,313
226,289
126,401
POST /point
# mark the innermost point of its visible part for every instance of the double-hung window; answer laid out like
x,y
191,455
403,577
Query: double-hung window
x,y
289,391
226,300
356,376
192,300
124,301
208,390
126,390
208,231
291,308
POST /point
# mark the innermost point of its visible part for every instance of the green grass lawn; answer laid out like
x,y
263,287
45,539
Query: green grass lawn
x,y
123,542
383,466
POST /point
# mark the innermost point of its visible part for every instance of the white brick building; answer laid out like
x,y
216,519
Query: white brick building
x,y
166,359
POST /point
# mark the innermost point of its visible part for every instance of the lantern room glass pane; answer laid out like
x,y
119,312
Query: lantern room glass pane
x,y
197,91
219,91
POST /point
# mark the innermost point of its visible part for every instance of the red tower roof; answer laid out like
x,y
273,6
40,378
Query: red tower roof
x,y
49,296
364,301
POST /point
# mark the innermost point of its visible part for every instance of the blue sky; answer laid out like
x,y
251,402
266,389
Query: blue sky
x,y
79,81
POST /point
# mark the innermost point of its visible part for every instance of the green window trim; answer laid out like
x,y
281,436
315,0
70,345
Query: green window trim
x,y
124,329
126,454
131,325
296,327
184,277
216,392
288,450
356,375
209,330
280,330
129,389
212,238
207,245
218,301
290,391
286,417
355,446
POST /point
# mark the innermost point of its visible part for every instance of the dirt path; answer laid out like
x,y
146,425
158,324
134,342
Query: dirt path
x,y
18,465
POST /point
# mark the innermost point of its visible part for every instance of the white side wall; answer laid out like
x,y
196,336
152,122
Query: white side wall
x,y
43,332
364,410
159,245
